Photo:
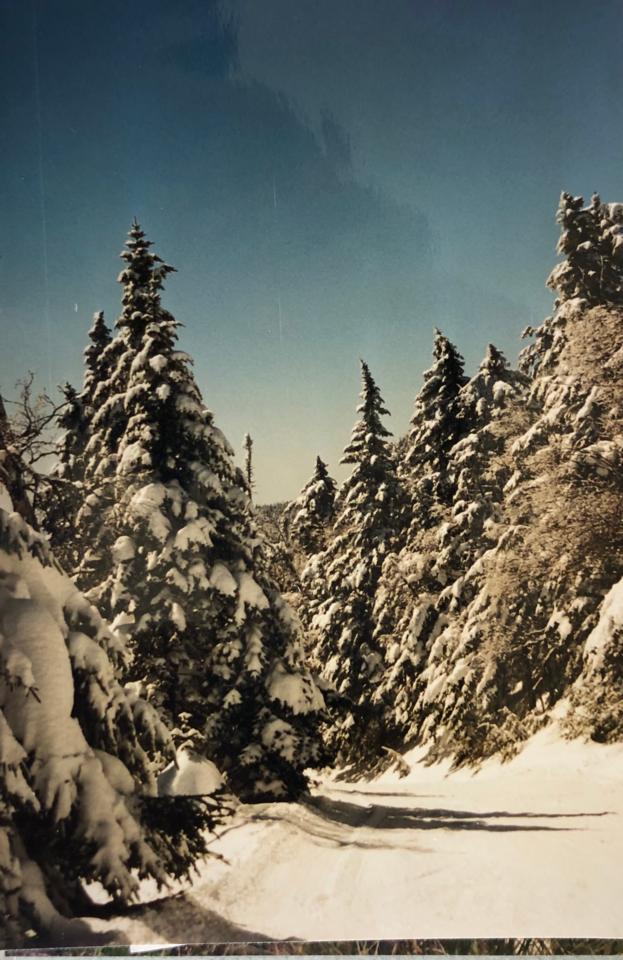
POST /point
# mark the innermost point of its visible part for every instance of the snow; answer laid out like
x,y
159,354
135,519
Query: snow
x,y
250,594
123,549
5,499
163,392
293,689
116,772
196,532
222,580
189,776
146,504
134,454
280,736
158,363
608,626
531,848
178,617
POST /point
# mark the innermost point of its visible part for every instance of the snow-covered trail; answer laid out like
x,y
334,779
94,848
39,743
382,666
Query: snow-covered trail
x,y
532,848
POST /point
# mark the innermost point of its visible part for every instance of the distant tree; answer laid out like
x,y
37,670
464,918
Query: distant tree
x,y
341,581
63,498
281,557
95,357
435,428
425,587
307,519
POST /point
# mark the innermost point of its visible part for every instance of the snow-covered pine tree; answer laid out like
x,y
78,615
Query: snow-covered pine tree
x,y
424,588
536,625
142,280
435,428
74,423
78,753
180,559
307,519
491,410
423,456
65,493
79,408
591,242
341,583
62,496
95,357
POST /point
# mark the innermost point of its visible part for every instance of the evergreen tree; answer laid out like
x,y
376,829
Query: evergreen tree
x,y
62,496
308,518
591,242
79,408
79,754
65,494
95,357
530,620
74,423
341,581
142,279
435,428
248,462
180,560
424,588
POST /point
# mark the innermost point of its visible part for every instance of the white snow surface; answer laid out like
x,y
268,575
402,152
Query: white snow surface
x,y
609,624
531,848
189,776
5,499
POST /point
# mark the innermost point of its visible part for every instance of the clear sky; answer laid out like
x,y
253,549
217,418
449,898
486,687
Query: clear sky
x,y
332,179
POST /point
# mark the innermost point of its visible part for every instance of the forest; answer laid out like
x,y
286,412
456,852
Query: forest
x,y
170,650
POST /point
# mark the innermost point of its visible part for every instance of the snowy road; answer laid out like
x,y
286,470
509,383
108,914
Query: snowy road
x,y
532,848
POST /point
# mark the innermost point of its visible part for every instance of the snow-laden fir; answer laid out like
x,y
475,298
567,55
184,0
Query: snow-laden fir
x,y
341,581
79,752
177,561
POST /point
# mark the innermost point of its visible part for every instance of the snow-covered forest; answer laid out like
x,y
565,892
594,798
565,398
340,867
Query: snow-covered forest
x,y
177,662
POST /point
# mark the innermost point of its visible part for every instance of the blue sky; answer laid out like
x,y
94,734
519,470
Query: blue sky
x,y
331,178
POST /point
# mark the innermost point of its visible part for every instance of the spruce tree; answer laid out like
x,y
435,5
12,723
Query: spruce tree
x,y
424,588
62,496
65,497
341,582
79,754
79,408
95,358
491,409
180,561
142,279
307,519
534,618
591,242
435,428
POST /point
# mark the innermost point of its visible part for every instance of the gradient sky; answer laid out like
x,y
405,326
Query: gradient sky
x,y
332,179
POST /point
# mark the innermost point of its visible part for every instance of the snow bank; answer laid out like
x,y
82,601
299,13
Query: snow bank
x,y
189,776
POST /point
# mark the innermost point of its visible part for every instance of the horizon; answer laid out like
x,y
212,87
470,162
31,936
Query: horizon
x,y
330,184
